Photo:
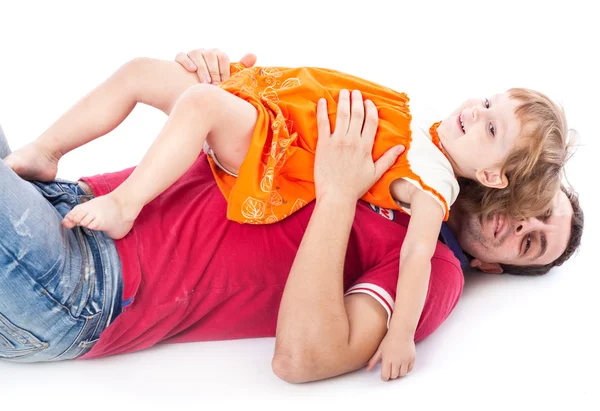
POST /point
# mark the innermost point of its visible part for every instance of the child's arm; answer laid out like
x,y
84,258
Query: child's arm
x,y
157,83
415,261
397,349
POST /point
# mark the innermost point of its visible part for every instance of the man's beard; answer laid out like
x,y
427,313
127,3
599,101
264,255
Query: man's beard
x,y
474,234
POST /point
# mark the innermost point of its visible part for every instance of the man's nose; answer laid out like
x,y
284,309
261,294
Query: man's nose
x,y
526,226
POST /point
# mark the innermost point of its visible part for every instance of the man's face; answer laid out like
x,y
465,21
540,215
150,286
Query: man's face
x,y
516,242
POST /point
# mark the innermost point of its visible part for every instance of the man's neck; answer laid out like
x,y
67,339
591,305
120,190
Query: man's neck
x,y
454,221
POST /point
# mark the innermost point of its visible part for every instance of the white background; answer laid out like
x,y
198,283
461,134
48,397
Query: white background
x,y
516,343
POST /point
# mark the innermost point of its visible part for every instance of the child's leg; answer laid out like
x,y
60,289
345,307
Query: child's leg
x,y
154,82
202,112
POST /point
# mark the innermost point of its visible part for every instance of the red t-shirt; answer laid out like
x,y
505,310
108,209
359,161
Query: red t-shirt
x,y
192,275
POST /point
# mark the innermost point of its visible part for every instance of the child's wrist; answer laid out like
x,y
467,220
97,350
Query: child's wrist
x,y
401,331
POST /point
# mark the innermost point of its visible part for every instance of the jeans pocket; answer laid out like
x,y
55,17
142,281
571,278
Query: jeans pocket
x,y
84,340
16,342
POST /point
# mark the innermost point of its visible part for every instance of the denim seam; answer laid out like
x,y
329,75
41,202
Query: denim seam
x,y
63,307
76,339
84,263
22,336
17,354
5,343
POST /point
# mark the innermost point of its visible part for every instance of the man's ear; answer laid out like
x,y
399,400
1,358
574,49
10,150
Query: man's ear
x,y
490,268
492,177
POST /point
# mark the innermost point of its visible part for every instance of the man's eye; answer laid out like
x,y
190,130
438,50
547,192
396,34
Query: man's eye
x,y
527,243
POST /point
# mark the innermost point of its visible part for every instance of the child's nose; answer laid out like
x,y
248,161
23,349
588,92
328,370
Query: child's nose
x,y
475,112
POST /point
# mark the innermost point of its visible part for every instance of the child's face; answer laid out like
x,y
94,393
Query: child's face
x,y
479,145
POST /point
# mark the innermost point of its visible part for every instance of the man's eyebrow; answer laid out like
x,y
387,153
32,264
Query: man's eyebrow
x,y
544,245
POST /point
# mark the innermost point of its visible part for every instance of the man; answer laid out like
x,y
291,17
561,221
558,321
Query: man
x,y
322,281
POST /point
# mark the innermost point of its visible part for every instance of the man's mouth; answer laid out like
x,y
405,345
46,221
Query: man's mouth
x,y
461,125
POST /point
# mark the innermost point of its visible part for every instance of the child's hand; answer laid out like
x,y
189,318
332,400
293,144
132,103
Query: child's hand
x,y
397,354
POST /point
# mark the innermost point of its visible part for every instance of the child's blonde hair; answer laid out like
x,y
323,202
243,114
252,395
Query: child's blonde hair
x,y
534,167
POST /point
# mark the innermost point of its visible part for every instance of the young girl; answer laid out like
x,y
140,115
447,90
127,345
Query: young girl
x,y
259,129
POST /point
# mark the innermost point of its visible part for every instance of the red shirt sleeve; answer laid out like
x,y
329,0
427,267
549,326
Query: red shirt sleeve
x,y
445,288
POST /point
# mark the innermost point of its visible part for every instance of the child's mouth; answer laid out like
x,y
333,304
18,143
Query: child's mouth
x,y
461,125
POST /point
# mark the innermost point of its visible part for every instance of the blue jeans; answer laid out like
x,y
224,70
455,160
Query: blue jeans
x,y
59,288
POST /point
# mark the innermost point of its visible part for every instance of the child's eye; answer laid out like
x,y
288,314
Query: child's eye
x,y
492,130
486,103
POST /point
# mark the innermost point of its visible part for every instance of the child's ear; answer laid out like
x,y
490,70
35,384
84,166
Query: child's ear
x,y
492,177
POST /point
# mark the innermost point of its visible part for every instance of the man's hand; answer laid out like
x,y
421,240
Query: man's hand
x,y
212,66
397,354
344,167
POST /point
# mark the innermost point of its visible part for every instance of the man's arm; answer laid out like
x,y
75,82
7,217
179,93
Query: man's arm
x,y
320,333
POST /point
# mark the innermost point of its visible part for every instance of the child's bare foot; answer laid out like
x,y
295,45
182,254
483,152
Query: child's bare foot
x,y
34,162
105,213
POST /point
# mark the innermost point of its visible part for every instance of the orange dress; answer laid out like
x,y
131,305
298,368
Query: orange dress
x,y
276,177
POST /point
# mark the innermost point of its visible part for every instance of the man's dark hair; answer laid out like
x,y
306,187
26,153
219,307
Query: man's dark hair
x,y
572,245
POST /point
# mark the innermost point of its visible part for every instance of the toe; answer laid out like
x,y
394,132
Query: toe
x,y
78,214
87,220
94,225
10,162
67,223
69,220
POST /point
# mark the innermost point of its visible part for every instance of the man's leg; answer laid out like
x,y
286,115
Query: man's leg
x,y
154,82
202,112
41,272
4,148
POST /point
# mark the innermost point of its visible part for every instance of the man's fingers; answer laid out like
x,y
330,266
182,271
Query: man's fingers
x,y
224,68
186,62
358,114
198,58
387,160
212,64
371,122
342,120
249,60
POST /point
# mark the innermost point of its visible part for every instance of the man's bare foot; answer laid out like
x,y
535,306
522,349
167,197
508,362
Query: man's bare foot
x,y
34,162
105,213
